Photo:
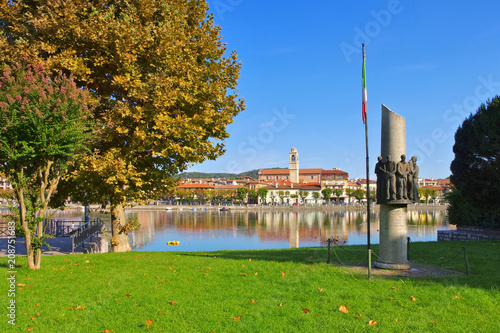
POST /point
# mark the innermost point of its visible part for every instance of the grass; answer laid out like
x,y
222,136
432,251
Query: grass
x,y
290,290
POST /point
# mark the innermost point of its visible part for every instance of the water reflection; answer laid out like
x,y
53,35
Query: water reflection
x,y
239,230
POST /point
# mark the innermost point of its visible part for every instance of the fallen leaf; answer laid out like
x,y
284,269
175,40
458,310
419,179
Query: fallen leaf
x,y
243,274
236,318
149,322
458,297
33,318
283,274
30,329
413,298
320,289
105,331
128,295
21,284
343,308
372,322
71,308
172,302
358,316
250,259
256,273
391,298
281,304
253,301
394,287
306,311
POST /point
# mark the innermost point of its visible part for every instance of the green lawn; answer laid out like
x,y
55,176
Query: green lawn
x,y
291,290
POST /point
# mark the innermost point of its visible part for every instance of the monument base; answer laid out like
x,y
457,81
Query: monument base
x,y
393,237
388,265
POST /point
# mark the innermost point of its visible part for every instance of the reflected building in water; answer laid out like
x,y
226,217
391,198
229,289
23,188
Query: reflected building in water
x,y
270,229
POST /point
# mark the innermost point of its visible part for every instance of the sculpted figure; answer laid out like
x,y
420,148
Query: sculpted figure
x,y
402,178
381,180
416,195
390,179
409,180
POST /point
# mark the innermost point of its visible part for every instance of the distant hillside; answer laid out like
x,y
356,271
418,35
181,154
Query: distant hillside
x,y
253,173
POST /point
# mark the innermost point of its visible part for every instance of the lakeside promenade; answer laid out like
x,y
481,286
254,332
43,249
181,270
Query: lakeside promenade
x,y
322,208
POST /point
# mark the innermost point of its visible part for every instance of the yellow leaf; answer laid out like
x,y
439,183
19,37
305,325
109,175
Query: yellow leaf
x,y
253,301
343,308
306,310
372,322
413,298
283,274
149,322
236,318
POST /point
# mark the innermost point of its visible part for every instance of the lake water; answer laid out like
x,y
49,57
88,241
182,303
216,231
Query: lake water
x,y
212,230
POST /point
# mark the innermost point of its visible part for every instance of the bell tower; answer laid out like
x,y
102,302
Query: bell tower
x,y
294,166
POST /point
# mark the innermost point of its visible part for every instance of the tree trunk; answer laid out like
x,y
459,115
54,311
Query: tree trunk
x,y
120,241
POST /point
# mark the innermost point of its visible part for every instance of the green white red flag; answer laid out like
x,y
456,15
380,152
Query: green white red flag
x,y
364,97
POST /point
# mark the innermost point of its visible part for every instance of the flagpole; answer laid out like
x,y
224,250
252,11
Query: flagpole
x,y
365,114
365,121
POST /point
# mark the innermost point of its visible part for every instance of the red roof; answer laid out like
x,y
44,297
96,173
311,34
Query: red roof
x,y
196,186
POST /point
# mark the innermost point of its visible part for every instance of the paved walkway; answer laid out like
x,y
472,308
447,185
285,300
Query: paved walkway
x,y
58,245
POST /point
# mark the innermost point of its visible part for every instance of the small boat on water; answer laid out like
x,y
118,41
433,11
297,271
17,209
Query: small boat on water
x,y
225,209
168,208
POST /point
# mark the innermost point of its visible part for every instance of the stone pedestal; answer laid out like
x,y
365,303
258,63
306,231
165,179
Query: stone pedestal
x,y
393,214
393,237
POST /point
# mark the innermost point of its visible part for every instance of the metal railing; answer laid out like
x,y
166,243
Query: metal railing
x,y
60,228
79,235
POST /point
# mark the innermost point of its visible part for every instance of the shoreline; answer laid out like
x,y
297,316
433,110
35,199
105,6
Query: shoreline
x,y
337,208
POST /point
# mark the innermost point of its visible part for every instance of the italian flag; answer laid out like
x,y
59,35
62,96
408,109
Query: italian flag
x,y
364,98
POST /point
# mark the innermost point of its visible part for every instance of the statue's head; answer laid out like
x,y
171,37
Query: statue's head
x,y
388,157
403,157
379,158
414,159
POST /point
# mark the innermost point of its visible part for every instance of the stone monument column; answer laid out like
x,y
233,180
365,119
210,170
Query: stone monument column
x,y
393,211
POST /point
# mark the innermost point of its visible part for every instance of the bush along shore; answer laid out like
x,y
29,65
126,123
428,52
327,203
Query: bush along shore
x,y
290,290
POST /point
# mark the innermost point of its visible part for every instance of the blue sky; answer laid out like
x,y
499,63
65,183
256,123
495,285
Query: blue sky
x,y
431,62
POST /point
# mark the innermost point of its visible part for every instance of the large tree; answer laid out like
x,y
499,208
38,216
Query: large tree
x,y
165,84
475,199
44,127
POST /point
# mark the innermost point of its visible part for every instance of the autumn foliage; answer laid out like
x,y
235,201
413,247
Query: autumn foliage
x,y
164,82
